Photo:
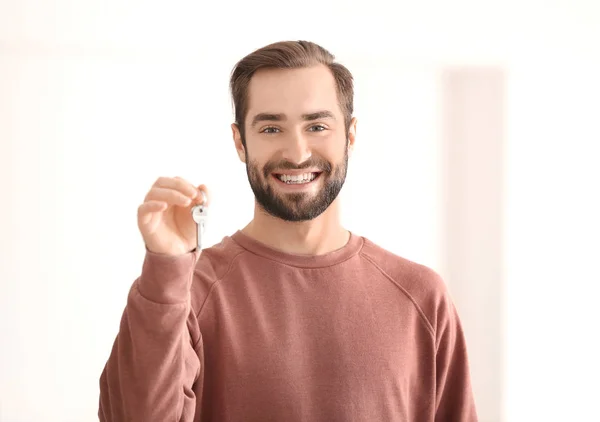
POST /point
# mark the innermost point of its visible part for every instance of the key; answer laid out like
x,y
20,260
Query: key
x,y
200,215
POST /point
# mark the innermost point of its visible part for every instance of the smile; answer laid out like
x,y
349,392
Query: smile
x,y
297,179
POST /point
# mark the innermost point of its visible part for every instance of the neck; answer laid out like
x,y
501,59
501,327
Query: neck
x,y
315,237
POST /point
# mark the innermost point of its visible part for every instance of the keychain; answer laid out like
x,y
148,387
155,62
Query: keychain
x,y
200,215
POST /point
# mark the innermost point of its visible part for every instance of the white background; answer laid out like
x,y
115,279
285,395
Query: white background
x,y
97,99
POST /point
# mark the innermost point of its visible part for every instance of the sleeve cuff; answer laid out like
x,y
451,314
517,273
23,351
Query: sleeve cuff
x,y
167,279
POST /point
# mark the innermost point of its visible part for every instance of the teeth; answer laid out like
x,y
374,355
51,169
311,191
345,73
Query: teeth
x,y
301,178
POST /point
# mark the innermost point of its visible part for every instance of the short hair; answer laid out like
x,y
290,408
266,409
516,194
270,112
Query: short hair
x,y
288,55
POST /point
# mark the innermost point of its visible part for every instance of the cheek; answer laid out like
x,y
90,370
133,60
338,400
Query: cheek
x,y
334,153
259,150
263,156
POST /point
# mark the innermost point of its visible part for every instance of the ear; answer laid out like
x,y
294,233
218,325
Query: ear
x,y
237,140
351,136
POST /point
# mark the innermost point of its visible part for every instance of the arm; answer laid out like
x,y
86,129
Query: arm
x,y
454,395
153,365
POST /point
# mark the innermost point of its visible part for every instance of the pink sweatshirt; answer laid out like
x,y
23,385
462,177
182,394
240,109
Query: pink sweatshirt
x,y
248,333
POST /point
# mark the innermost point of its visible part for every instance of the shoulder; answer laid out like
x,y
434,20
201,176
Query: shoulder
x,y
421,284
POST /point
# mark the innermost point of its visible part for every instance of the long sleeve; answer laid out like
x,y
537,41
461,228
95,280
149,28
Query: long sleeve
x,y
153,365
454,395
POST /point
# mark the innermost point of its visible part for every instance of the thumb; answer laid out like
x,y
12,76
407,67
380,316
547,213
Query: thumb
x,y
203,197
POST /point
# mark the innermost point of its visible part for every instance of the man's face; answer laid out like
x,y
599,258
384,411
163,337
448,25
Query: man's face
x,y
297,147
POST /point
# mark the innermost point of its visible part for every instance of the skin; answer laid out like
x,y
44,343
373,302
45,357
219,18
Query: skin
x,y
303,220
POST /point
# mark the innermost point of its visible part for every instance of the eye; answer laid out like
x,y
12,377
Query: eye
x,y
270,130
318,128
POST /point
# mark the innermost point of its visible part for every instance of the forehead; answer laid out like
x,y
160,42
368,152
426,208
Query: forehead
x,y
292,91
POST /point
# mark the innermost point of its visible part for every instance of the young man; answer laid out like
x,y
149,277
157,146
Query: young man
x,y
292,318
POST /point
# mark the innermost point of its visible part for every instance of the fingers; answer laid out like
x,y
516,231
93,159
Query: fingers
x,y
169,196
165,193
202,199
186,188
174,191
153,206
178,184
148,209
168,191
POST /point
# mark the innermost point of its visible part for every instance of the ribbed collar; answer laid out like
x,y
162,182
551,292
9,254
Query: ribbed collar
x,y
351,248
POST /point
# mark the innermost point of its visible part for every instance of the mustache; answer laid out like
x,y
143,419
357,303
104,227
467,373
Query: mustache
x,y
320,164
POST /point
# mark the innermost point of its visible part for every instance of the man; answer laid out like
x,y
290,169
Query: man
x,y
292,318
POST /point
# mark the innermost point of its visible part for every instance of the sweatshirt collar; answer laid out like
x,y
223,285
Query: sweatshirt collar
x,y
351,248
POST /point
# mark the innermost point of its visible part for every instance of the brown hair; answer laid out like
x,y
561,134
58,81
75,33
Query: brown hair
x,y
288,55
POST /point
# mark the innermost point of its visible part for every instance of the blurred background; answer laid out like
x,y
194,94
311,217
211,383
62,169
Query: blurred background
x,y
477,155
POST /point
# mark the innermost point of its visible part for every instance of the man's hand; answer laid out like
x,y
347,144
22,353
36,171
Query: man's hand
x,y
165,219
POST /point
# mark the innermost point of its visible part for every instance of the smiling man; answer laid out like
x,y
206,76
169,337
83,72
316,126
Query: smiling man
x,y
298,134
293,317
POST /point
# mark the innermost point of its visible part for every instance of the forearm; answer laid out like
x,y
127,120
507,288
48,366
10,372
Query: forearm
x,y
152,366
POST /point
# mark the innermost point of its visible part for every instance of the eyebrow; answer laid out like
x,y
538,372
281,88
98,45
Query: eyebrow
x,y
279,117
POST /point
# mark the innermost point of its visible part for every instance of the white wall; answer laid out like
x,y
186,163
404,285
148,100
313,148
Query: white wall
x,y
552,241
97,99
473,139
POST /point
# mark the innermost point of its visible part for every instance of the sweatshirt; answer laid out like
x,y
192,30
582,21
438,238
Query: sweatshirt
x,y
244,332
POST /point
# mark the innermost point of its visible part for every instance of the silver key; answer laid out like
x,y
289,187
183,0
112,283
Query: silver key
x,y
200,215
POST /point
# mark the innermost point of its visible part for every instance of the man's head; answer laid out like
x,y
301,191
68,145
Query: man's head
x,y
294,127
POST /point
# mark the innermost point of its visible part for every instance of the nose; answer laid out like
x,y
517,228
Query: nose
x,y
296,149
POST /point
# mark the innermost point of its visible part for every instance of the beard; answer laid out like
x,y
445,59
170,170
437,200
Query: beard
x,y
300,206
